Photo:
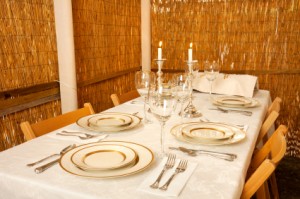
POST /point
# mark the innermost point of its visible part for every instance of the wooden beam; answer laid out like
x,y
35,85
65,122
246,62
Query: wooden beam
x,y
107,77
27,101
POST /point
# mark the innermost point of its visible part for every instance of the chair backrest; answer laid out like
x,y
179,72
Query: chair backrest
x,y
264,162
120,99
275,106
31,131
268,123
274,148
258,178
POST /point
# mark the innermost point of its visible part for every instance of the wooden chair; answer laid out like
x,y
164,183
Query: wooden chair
x,y
31,131
274,149
120,99
272,115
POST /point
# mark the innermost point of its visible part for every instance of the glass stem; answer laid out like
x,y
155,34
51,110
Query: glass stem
x,y
145,114
210,88
181,111
162,136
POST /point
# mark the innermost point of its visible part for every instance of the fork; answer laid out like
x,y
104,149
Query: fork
x,y
85,137
180,168
169,164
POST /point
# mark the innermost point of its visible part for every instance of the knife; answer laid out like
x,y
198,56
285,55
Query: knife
x,y
228,156
46,166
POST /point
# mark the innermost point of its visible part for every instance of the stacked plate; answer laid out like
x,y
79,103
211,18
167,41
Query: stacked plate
x,y
235,102
208,133
109,122
108,159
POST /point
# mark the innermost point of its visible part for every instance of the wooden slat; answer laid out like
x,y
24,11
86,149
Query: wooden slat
x,y
107,77
27,101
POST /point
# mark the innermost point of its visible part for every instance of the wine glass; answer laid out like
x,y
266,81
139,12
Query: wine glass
x,y
143,79
162,101
182,85
211,71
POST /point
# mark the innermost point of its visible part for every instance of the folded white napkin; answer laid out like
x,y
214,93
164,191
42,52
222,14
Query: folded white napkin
x,y
176,185
227,84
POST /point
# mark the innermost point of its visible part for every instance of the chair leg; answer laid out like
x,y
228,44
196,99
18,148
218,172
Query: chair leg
x,y
263,192
274,188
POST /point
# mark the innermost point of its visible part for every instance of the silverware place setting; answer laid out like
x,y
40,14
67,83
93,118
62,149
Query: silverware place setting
x,y
243,112
180,169
169,165
81,135
195,152
50,164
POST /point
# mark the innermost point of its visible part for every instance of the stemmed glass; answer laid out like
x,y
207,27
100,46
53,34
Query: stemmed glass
x,y
211,71
182,86
143,79
162,101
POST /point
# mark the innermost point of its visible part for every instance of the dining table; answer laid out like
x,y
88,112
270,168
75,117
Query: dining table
x,y
211,177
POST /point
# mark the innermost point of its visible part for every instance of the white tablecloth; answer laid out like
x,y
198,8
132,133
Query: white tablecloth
x,y
213,178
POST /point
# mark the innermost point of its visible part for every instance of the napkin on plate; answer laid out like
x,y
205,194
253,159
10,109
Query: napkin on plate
x,y
227,84
176,185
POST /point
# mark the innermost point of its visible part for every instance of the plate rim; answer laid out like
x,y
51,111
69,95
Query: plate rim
x,y
136,121
146,164
223,142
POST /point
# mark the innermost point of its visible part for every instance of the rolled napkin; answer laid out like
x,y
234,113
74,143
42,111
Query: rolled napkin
x,y
227,84
176,185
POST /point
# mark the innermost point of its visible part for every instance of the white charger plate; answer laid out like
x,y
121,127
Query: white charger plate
x,y
144,159
239,135
84,122
103,157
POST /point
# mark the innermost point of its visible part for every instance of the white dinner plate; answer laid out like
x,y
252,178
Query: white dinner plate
x,y
103,157
239,135
144,159
207,131
84,122
105,120
235,102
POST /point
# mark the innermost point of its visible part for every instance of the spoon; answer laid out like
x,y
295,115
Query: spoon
x,y
56,154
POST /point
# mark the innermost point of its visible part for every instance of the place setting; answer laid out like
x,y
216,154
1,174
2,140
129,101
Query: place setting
x,y
107,159
109,122
208,133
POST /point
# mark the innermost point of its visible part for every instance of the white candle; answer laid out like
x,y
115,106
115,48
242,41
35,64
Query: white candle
x,y
159,51
190,53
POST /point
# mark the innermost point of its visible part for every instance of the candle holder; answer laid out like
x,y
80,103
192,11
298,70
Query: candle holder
x,y
190,111
160,63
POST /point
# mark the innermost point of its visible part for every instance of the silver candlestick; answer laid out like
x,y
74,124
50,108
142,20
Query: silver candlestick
x,y
190,111
160,63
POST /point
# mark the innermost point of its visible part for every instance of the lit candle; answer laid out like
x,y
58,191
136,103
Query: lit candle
x,y
159,51
190,53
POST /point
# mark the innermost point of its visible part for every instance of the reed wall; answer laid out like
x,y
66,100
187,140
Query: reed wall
x,y
260,37
28,57
107,39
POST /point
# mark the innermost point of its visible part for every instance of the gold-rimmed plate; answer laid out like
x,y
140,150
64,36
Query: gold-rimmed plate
x,y
235,102
239,135
103,157
84,122
104,120
207,131
144,159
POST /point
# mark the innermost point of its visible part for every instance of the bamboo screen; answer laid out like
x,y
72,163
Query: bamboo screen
x,y
259,37
28,58
107,48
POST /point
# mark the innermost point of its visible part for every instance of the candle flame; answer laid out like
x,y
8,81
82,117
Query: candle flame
x,y
160,44
191,45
